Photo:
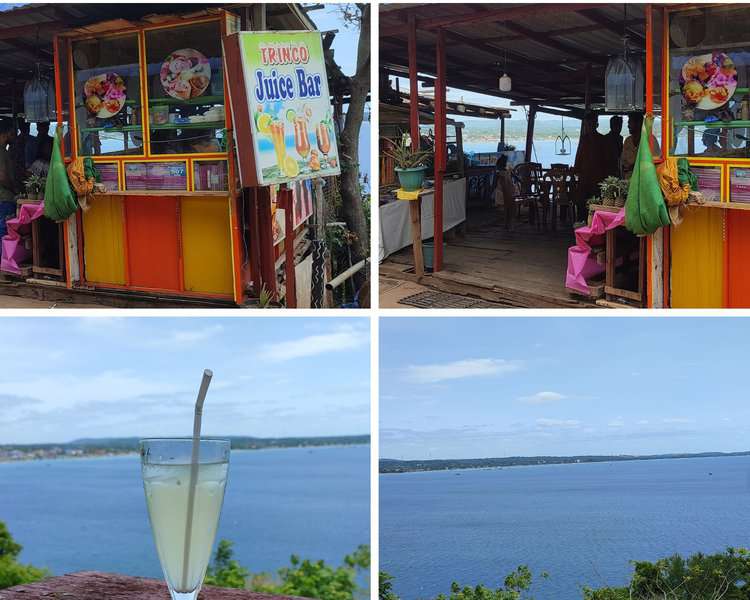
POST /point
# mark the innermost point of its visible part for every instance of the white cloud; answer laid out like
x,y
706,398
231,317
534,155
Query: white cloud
x,y
191,336
618,422
460,369
561,423
643,422
677,421
542,398
313,345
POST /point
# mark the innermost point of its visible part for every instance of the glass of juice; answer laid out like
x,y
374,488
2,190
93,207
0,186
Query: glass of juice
x,y
166,468
301,141
324,141
279,142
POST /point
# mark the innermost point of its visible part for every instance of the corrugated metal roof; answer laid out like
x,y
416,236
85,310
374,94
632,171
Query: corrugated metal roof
x,y
547,45
27,31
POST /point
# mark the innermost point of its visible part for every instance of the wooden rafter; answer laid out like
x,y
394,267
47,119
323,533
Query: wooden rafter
x,y
496,14
592,14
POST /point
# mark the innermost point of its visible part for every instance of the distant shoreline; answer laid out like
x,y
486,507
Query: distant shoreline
x,y
99,452
394,467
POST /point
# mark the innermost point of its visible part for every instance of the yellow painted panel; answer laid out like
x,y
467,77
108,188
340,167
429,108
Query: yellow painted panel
x,y
698,260
103,246
207,245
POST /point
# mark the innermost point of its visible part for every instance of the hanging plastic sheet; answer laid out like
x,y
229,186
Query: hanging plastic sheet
x,y
581,263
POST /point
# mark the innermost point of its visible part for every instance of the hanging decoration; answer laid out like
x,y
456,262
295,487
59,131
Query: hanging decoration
x,y
624,78
505,83
562,141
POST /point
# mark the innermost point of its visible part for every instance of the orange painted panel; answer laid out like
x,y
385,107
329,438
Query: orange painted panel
x,y
738,258
153,242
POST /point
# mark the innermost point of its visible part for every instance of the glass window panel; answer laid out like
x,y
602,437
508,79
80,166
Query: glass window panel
x,y
186,89
709,182
657,18
64,76
156,176
210,175
108,96
739,185
709,99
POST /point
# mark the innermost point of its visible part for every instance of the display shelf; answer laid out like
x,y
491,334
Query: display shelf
x,y
713,125
206,125
114,129
192,102
163,193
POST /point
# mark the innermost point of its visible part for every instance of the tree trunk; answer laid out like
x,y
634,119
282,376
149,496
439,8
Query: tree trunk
x,y
351,198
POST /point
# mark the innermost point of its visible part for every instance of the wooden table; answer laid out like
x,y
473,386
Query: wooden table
x,y
610,290
92,585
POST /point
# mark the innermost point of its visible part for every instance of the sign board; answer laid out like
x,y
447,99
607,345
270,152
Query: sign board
x,y
288,105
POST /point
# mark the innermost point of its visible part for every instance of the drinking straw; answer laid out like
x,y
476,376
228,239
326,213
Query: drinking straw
x,y
207,375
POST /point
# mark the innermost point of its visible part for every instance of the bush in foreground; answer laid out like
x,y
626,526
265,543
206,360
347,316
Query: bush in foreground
x,y
311,579
721,576
11,571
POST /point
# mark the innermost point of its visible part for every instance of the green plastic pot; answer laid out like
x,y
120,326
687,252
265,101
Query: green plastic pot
x,y
411,179
428,253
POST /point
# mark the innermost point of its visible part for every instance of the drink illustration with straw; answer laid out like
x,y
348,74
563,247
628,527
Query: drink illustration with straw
x,y
184,481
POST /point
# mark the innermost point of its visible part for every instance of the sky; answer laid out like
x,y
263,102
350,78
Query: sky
x,y
479,387
67,378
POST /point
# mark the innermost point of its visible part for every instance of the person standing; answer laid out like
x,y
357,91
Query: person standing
x,y
630,146
8,185
18,151
592,163
614,143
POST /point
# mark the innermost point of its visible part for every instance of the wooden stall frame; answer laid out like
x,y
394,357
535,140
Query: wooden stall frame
x,y
725,164
147,156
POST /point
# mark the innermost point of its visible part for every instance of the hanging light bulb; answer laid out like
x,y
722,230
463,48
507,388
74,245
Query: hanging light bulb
x,y
460,106
505,84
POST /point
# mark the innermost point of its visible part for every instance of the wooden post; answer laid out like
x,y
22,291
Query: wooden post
x,y
413,85
250,200
415,210
502,131
530,132
265,239
460,149
286,202
415,206
440,159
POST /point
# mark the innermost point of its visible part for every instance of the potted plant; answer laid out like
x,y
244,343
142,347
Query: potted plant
x,y
410,165
34,187
614,191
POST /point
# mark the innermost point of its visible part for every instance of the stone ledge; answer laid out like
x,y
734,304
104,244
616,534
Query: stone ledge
x,y
92,585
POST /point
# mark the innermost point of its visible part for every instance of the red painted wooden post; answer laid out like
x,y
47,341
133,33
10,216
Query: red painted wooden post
x,y
265,236
415,206
413,84
290,276
440,159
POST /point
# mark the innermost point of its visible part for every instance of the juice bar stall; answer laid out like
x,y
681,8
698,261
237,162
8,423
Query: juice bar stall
x,y
705,62
148,102
149,109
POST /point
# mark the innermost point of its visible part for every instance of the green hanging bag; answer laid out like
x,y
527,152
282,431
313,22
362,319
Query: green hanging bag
x,y
59,199
645,209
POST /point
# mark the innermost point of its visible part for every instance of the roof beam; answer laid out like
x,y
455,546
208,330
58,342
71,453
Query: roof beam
x,y
7,33
592,14
561,32
496,14
541,38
